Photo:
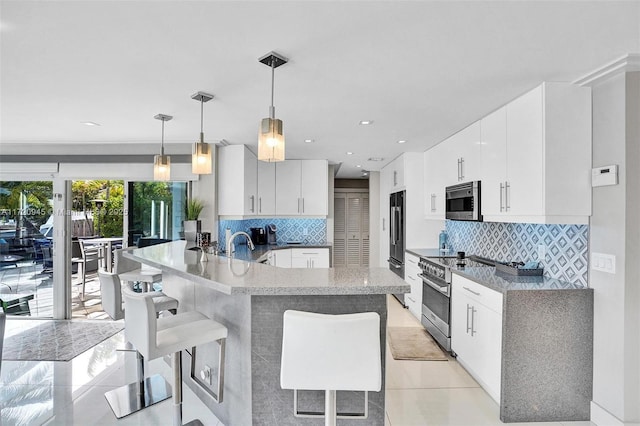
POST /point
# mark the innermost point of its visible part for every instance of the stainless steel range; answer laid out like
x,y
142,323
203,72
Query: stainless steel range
x,y
436,293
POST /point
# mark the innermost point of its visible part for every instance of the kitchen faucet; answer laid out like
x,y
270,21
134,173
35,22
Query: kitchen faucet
x,y
230,246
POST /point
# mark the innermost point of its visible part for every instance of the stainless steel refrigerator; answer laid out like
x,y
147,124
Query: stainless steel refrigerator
x,y
397,236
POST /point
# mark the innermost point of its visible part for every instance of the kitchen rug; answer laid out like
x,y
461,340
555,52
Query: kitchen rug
x,y
56,340
414,343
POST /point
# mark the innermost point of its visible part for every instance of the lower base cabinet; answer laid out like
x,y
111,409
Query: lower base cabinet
x,y
299,258
476,332
531,349
413,300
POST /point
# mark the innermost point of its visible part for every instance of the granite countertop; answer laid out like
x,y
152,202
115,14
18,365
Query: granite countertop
x,y
502,282
431,252
237,276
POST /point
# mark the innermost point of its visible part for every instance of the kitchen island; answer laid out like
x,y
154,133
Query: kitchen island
x,y
250,298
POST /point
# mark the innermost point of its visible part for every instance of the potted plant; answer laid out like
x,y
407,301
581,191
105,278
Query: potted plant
x,y
193,208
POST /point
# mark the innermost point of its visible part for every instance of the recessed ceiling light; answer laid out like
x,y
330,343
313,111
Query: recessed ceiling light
x,y
376,158
366,122
402,141
349,153
89,123
358,166
309,141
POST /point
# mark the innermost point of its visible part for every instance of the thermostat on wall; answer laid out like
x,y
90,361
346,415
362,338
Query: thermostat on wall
x,y
603,176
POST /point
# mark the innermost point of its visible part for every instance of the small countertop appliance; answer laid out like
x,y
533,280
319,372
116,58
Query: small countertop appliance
x,y
258,235
271,233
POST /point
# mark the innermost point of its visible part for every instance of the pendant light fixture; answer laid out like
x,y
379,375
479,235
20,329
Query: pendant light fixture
x,y
271,136
201,153
162,163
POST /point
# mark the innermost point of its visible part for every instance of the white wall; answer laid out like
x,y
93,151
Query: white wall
x,y
374,220
614,229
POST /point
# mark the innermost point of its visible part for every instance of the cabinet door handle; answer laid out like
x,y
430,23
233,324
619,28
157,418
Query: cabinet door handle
x,y
473,320
468,308
298,205
507,192
471,291
253,202
461,168
458,169
433,202
302,204
395,178
383,227
501,199
259,204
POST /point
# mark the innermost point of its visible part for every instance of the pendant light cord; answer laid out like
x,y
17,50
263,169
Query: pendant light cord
x,y
272,110
201,114
162,145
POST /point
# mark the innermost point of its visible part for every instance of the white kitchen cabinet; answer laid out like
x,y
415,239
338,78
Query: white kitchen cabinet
x,y
543,173
434,181
476,332
463,160
494,162
309,258
413,300
280,258
266,189
302,188
237,181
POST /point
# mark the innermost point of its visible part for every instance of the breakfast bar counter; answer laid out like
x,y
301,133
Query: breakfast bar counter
x,y
250,298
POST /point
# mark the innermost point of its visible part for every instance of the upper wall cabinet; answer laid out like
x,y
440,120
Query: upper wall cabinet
x,y
454,160
266,189
536,157
302,188
237,181
462,162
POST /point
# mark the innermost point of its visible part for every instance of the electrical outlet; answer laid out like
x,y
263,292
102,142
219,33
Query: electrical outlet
x,y
603,262
542,252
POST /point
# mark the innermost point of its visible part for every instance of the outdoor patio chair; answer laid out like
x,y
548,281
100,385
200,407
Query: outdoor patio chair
x,y
82,256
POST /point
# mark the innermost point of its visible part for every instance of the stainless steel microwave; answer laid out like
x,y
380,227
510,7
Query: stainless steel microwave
x,y
462,201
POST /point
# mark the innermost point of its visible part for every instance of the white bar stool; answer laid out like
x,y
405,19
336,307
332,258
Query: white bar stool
x,y
170,335
331,353
145,392
131,271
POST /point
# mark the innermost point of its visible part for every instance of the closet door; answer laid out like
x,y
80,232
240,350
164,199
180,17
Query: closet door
x,y
351,229
339,230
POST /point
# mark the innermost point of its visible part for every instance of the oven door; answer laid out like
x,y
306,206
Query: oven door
x,y
436,311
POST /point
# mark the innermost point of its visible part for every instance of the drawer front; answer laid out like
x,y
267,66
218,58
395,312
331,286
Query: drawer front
x,y
301,252
484,295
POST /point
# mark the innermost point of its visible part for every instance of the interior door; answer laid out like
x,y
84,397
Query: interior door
x,y
351,229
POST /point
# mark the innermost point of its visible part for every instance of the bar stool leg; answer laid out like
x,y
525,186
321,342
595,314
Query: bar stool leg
x,y
177,388
330,413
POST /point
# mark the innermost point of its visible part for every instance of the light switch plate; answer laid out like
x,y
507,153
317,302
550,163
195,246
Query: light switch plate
x,y
603,262
603,176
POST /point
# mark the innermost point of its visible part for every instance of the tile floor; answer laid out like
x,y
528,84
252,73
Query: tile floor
x,y
72,393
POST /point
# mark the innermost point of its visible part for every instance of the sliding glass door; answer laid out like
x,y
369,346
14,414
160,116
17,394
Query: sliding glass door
x,y
155,211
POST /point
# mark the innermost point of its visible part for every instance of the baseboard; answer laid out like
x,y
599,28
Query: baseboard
x,y
602,417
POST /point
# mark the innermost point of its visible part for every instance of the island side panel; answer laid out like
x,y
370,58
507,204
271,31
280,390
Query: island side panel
x,y
234,312
547,356
272,405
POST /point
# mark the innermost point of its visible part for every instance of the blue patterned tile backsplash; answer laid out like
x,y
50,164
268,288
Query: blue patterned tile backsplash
x,y
566,246
310,231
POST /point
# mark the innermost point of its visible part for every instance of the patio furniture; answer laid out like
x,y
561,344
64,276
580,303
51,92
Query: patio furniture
x,y
104,245
47,259
82,257
15,304
10,259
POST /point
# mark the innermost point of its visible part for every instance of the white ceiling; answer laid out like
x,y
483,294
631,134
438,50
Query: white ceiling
x,y
421,70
